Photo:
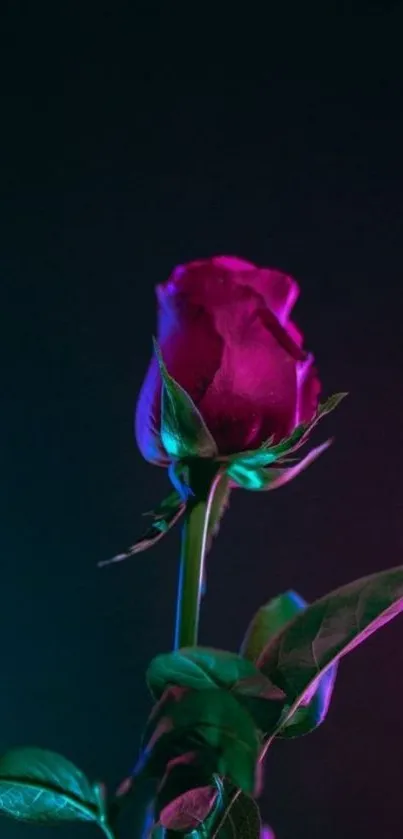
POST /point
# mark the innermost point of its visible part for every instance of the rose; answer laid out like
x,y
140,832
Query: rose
x,y
226,338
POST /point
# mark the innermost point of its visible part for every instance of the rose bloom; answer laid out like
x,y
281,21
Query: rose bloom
x,y
226,338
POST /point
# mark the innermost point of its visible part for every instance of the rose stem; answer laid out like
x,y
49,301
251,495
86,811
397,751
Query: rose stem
x,y
109,832
193,548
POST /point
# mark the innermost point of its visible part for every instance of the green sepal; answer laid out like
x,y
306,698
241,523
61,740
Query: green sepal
x,y
163,517
247,477
219,507
330,404
326,631
268,627
262,480
302,432
40,786
268,454
211,722
300,435
184,433
168,513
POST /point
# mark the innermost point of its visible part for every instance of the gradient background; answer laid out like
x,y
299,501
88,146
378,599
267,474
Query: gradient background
x,y
132,140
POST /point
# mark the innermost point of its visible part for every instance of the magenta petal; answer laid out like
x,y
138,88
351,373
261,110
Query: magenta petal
x,y
254,392
148,417
225,336
280,292
191,349
309,388
233,263
294,333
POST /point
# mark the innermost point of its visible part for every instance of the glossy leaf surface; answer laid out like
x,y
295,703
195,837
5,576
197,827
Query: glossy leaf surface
x,y
203,668
41,786
211,722
269,623
329,629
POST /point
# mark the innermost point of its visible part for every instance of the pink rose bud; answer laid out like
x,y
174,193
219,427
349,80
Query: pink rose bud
x,y
225,336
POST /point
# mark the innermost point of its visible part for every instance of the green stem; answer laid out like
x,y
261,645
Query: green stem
x,y
204,478
110,833
193,549
103,814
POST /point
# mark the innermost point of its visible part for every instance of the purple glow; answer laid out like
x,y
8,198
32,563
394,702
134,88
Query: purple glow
x,y
266,832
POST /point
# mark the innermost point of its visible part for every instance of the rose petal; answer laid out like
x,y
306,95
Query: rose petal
x,y
294,333
200,282
207,281
225,336
233,263
254,391
147,418
191,349
308,387
280,292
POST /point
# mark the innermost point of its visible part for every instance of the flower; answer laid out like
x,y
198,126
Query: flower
x,y
225,337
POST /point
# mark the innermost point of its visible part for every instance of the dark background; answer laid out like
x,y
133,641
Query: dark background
x,y
132,140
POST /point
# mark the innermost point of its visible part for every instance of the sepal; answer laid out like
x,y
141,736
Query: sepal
x,y
163,517
184,433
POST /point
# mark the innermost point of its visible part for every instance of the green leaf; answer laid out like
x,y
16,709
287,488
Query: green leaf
x,y
211,722
221,811
195,811
240,819
267,479
189,810
183,431
313,709
327,630
269,621
202,668
267,627
164,518
41,786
